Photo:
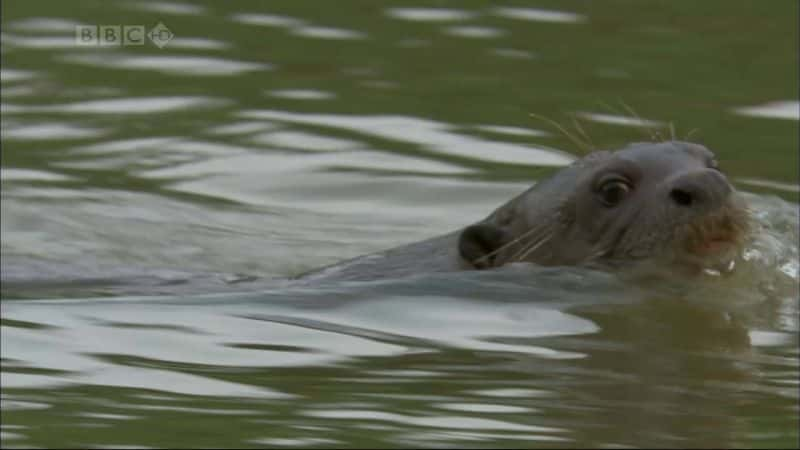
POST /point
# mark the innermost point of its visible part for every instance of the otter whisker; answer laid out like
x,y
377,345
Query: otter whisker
x,y
614,110
597,254
583,146
580,129
650,132
531,248
532,231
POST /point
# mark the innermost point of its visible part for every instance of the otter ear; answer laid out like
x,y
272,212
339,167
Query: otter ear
x,y
478,244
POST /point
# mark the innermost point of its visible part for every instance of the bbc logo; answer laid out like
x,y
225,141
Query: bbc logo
x,y
121,35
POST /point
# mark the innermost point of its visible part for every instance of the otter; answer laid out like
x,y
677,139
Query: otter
x,y
666,203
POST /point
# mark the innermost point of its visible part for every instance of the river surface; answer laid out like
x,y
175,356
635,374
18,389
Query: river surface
x,y
248,142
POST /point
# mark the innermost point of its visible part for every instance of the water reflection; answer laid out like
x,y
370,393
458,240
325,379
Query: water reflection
x,y
539,15
48,131
11,75
613,119
133,105
165,7
169,64
474,32
328,33
430,134
45,25
788,109
429,14
302,94
298,27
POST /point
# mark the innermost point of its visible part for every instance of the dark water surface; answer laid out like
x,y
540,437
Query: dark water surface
x,y
269,138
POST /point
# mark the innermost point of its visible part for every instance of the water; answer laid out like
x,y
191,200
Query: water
x,y
269,139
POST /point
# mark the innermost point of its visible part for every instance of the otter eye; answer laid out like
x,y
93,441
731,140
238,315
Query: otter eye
x,y
613,191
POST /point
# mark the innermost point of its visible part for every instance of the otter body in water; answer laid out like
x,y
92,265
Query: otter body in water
x,y
662,202
666,203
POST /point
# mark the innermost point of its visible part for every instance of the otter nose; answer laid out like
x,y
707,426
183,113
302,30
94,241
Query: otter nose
x,y
705,188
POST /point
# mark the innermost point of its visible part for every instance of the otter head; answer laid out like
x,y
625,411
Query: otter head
x,y
648,201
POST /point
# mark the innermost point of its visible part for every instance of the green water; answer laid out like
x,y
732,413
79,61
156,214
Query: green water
x,y
269,138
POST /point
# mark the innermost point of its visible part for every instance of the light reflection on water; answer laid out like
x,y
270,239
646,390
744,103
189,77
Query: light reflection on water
x,y
271,140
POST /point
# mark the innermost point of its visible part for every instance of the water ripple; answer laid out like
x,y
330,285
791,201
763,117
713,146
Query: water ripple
x,y
45,42
166,7
8,174
48,131
476,32
242,127
319,32
198,43
304,140
626,121
513,131
787,109
426,133
446,422
269,20
429,14
302,94
132,105
44,25
169,64
11,75
539,15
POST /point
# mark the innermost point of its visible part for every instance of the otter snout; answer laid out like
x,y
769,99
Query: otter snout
x,y
699,190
